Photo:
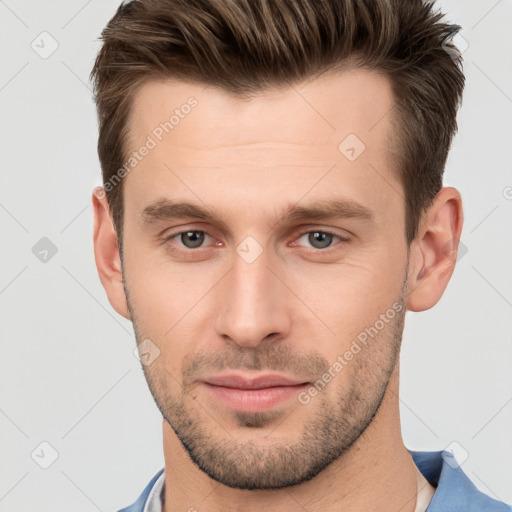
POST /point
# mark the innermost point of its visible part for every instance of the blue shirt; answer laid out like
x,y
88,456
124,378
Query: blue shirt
x,y
454,490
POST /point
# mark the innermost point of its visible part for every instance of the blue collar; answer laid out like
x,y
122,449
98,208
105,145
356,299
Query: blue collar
x,y
454,490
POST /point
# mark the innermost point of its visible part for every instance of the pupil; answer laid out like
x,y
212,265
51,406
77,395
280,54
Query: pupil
x,y
192,239
323,238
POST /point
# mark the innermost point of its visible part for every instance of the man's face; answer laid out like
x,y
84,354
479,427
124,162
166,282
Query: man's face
x,y
253,292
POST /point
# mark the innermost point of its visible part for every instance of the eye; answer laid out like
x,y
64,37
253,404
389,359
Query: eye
x,y
190,239
321,239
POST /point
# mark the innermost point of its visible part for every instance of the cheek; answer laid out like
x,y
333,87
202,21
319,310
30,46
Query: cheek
x,y
347,298
168,301
161,290
156,301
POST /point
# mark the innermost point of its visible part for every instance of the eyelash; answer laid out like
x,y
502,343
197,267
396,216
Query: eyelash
x,y
323,231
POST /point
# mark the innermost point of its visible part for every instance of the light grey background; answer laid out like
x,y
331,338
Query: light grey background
x,y
68,374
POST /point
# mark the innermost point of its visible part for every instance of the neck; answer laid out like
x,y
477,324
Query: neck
x,y
376,473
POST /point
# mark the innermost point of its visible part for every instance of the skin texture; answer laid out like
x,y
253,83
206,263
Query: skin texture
x,y
294,309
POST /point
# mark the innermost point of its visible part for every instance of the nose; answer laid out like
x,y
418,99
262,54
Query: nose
x,y
255,304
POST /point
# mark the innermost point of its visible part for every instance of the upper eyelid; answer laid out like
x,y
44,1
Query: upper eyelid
x,y
298,230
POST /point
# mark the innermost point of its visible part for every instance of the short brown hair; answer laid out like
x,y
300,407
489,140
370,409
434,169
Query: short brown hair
x,y
247,46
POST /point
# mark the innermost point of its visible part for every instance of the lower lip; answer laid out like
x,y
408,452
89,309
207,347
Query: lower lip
x,y
254,400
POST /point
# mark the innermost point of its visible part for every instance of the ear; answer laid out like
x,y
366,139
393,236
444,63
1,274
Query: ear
x,y
106,253
434,250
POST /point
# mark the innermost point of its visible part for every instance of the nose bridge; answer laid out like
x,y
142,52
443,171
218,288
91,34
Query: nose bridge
x,y
253,300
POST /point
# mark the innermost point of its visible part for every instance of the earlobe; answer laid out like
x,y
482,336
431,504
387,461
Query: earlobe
x,y
434,252
106,253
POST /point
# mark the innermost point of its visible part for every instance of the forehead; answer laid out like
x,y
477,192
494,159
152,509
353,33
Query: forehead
x,y
273,147
317,113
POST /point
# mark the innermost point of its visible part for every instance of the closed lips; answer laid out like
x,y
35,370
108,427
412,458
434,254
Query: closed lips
x,y
259,382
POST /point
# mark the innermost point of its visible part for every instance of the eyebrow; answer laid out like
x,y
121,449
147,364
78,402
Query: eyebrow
x,y
166,209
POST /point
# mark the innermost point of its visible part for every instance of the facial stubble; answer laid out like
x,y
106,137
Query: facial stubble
x,y
334,426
